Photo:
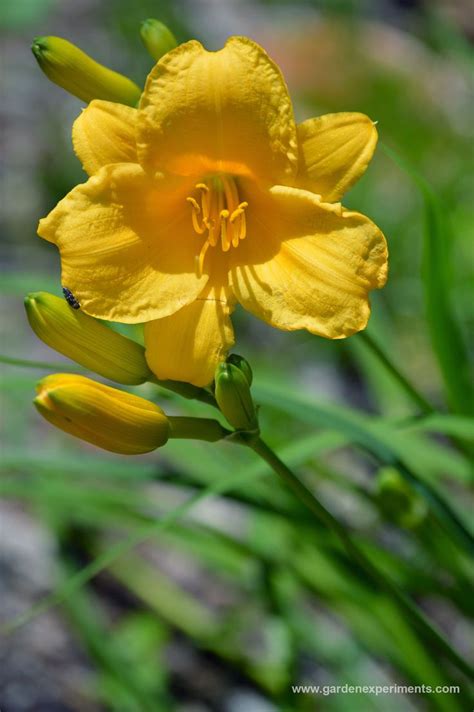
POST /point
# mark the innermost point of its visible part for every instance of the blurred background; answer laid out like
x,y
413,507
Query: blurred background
x,y
241,597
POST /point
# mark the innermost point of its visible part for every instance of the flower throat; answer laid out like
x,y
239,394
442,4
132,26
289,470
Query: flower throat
x,y
218,214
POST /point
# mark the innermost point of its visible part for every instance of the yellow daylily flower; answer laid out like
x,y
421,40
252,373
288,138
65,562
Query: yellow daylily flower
x,y
209,194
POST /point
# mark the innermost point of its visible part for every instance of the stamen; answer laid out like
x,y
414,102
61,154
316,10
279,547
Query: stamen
x,y
194,203
238,211
224,216
200,229
230,191
217,212
200,259
205,198
243,226
213,237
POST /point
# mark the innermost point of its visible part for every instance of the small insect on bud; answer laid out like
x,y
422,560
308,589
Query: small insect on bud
x,y
70,298
157,38
80,75
234,398
111,419
86,340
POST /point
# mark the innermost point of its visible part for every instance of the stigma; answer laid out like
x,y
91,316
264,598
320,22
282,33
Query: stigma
x,y
218,215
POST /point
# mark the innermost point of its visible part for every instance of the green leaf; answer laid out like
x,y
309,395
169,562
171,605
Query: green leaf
x,y
445,333
417,458
107,558
387,441
457,426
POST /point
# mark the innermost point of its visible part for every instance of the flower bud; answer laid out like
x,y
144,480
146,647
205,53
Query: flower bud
x,y
399,502
243,365
76,72
86,340
104,416
234,398
157,38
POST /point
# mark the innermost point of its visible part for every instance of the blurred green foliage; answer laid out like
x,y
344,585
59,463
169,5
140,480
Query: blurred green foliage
x,y
256,584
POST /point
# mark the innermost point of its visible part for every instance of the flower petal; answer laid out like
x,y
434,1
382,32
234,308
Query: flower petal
x,y
188,345
127,246
104,133
223,111
335,150
308,265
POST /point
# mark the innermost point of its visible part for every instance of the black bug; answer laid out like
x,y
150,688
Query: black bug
x,y
70,298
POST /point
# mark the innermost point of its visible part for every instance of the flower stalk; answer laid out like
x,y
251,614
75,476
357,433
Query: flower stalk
x,y
183,427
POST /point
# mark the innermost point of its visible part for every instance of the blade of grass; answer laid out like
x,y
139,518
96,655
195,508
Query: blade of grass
x,y
446,336
84,615
415,396
142,534
457,426
27,363
428,632
388,445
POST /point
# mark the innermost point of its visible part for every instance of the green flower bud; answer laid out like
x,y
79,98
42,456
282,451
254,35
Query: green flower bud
x,y
399,502
234,398
157,38
76,72
86,340
243,365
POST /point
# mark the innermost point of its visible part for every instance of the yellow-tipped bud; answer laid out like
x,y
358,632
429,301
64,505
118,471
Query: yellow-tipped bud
x,y
157,38
234,398
111,419
76,72
86,340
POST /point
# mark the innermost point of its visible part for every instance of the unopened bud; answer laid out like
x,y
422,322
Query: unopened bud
x,y
80,75
157,38
398,500
111,419
234,398
243,365
86,340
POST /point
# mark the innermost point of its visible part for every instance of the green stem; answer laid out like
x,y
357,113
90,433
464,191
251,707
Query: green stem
x,y
432,636
425,407
197,428
27,363
186,390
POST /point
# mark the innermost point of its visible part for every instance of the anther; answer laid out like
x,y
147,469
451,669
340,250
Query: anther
x,y
243,227
194,203
224,216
